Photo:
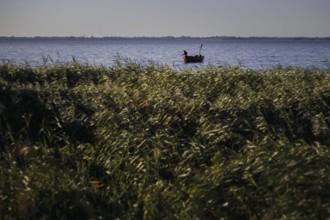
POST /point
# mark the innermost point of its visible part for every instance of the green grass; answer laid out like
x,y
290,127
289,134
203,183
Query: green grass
x,y
148,142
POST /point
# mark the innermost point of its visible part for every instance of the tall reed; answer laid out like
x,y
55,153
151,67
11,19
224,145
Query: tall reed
x,y
138,141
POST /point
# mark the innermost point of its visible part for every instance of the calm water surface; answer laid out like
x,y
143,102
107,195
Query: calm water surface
x,y
250,53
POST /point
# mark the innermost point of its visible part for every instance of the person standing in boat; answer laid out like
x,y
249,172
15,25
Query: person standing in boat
x,y
185,53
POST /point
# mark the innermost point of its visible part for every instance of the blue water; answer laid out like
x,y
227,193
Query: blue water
x,y
252,53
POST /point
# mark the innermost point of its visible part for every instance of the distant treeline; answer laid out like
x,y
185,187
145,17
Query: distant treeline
x,y
166,37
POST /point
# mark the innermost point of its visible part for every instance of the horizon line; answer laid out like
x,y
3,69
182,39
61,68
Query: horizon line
x,y
160,37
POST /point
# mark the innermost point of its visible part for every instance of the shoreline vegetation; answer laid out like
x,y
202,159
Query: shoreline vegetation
x,y
135,141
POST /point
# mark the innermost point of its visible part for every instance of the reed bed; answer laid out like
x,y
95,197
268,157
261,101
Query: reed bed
x,y
140,141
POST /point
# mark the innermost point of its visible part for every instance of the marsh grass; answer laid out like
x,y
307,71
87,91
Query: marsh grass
x,y
140,141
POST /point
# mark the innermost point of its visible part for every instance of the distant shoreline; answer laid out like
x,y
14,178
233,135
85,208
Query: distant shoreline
x,y
162,38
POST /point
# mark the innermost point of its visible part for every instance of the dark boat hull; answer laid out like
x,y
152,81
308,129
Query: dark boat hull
x,y
193,59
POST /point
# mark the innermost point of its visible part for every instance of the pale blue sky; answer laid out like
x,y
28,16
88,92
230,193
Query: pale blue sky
x,y
198,18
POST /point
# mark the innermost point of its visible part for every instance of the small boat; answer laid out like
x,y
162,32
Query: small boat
x,y
193,59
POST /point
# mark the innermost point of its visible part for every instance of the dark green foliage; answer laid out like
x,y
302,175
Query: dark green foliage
x,y
147,142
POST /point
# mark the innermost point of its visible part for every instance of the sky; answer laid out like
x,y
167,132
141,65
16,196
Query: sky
x,y
157,18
